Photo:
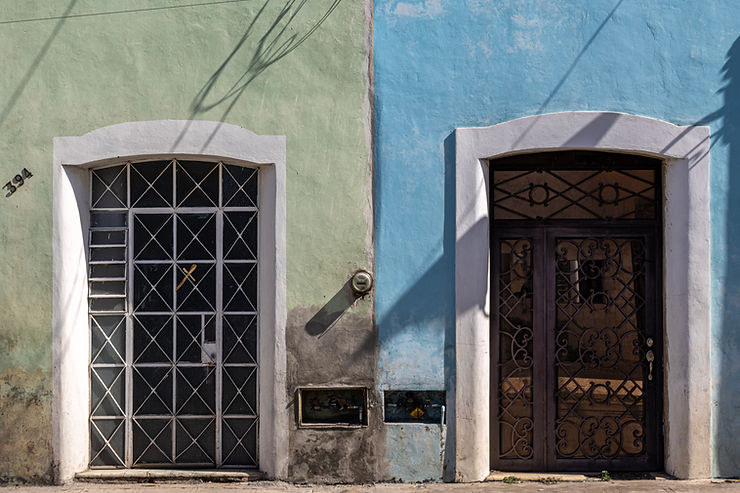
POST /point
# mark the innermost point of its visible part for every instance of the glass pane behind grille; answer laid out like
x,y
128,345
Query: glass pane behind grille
x,y
599,340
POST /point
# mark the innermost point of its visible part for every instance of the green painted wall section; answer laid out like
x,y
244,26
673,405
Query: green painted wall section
x,y
294,68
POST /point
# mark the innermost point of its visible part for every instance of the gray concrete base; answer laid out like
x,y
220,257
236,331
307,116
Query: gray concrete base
x,y
635,486
148,475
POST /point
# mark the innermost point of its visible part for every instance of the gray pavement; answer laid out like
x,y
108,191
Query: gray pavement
x,y
621,486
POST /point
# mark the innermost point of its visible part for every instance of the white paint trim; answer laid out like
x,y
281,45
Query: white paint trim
x,y
73,156
685,151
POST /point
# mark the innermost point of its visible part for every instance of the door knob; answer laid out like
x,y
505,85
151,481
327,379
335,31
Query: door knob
x,y
650,357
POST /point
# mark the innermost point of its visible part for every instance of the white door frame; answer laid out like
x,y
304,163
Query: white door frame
x,y
686,273
73,157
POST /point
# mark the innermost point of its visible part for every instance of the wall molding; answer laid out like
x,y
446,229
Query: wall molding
x,y
72,159
686,277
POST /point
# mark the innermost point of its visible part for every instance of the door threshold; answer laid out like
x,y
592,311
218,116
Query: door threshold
x,y
151,475
554,477
565,477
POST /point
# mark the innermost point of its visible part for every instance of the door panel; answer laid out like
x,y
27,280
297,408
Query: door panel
x,y
576,316
518,344
516,351
174,366
602,296
174,262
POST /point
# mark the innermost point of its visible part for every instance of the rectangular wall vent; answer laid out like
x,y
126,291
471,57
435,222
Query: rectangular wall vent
x,y
332,406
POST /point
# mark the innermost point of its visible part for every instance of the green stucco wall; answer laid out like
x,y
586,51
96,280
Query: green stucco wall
x,y
293,68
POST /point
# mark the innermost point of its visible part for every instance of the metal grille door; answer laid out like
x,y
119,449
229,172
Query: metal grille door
x,y
600,346
576,332
173,315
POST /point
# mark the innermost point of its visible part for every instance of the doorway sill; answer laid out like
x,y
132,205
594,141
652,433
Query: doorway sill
x,y
566,477
541,476
164,475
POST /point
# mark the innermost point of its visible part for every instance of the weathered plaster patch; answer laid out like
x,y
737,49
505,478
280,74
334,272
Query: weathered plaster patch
x,y
423,8
25,434
414,452
480,6
335,345
335,455
525,41
399,371
368,110
485,49
343,353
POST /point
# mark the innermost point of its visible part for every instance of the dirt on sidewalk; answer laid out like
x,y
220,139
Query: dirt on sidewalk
x,y
620,486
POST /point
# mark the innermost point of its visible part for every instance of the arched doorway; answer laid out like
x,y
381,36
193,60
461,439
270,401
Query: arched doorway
x,y
686,291
204,142
576,324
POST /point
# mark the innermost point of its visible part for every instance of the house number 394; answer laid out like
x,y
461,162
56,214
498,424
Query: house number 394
x,y
17,181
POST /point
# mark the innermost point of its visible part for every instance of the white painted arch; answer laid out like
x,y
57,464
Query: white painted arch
x,y
686,291
73,157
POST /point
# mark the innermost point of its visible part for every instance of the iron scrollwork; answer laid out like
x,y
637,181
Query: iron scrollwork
x,y
598,357
515,397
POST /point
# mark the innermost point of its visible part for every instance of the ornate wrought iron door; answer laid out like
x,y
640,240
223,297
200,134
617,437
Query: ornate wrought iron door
x,y
173,315
576,331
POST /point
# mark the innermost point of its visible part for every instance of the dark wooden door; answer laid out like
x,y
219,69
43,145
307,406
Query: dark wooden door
x,y
576,342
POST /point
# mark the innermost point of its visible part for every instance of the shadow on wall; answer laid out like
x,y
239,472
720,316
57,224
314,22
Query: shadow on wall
x,y
432,297
254,53
332,311
18,91
727,336
275,43
543,107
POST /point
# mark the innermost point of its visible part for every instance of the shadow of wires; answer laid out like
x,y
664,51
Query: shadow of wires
x,y
18,91
257,49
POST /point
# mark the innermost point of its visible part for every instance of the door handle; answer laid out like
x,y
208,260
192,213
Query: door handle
x,y
650,357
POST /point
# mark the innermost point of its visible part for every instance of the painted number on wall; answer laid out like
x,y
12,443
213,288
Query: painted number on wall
x,y
17,181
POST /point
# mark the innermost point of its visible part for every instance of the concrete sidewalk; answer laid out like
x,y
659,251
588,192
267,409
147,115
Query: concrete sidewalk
x,y
621,486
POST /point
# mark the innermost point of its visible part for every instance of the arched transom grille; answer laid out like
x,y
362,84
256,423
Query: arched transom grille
x,y
575,185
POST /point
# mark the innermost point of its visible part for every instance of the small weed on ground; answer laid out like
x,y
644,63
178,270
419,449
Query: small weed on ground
x,y
549,480
605,476
511,480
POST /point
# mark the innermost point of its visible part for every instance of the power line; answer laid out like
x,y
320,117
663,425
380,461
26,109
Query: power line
x,y
93,14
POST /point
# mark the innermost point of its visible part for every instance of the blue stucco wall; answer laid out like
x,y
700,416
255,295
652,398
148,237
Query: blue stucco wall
x,y
442,64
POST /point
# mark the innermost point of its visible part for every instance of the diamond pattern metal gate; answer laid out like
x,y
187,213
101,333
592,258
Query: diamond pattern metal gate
x,y
576,339
173,315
